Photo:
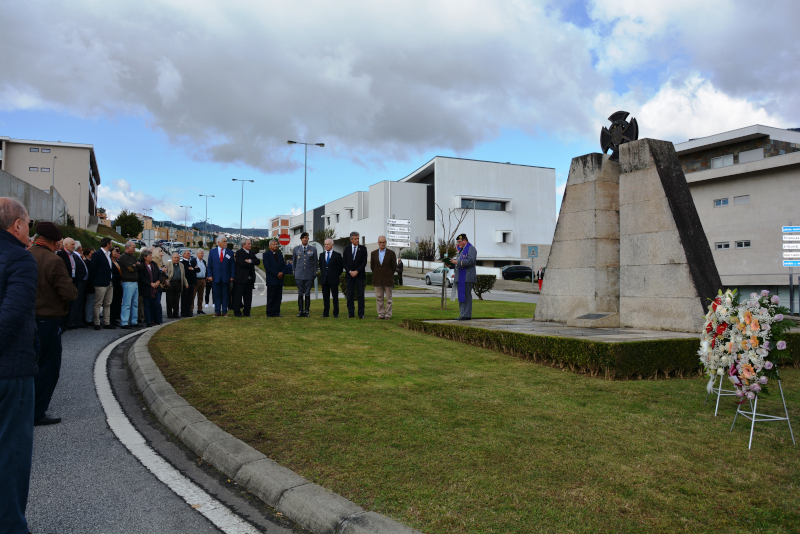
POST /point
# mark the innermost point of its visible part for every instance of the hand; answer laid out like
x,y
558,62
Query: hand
x,y
231,279
353,273
280,276
249,261
210,278
453,261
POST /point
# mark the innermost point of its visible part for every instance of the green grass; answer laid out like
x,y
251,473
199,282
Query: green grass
x,y
452,438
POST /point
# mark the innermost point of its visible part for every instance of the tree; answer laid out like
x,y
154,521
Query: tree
x,y
130,223
484,284
321,235
447,243
426,248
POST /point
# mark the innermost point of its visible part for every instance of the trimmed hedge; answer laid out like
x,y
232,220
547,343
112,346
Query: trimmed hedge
x,y
630,359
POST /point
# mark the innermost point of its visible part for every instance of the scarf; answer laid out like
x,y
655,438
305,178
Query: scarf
x,y
462,285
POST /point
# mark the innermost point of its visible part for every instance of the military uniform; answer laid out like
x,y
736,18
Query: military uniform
x,y
304,261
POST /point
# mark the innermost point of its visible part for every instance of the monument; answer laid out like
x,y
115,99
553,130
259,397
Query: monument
x,y
629,248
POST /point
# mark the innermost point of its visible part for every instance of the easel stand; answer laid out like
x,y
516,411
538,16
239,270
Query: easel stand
x,y
720,393
754,416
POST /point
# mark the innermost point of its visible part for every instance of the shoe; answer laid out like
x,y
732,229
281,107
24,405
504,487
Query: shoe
x,y
110,327
279,315
125,327
47,421
301,313
215,315
206,306
149,325
224,315
200,312
248,315
324,316
351,316
98,327
464,319
360,316
335,316
379,317
237,314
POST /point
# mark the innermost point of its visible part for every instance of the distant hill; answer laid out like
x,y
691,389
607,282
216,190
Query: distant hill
x,y
256,232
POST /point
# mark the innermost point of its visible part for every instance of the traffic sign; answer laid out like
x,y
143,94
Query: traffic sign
x,y
791,254
406,222
790,229
791,246
791,263
401,229
405,244
284,239
397,237
791,238
533,251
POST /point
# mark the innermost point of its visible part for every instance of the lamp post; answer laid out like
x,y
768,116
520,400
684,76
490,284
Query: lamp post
x,y
241,211
305,175
185,228
53,194
79,204
206,223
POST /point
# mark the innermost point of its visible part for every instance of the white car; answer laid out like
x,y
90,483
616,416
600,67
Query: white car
x,y
435,277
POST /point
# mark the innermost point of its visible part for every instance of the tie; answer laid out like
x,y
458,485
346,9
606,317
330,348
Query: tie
x,y
220,255
328,259
354,252
72,263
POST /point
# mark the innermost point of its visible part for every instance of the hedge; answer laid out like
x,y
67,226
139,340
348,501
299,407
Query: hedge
x,y
622,360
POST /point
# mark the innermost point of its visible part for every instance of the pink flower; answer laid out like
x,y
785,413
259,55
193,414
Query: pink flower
x,y
779,317
750,395
775,299
739,393
755,388
768,365
781,345
765,345
763,380
764,293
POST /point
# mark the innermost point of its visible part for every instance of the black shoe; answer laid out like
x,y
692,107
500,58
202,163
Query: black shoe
x,y
98,327
324,316
301,313
360,316
335,316
149,325
248,315
47,421
125,327
110,327
351,316
201,312
464,319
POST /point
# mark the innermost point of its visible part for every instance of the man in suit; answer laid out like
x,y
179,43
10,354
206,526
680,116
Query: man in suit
x,y
465,275
383,263
79,273
100,276
304,259
400,272
200,287
190,270
354,259
330,267
220,274
244,279
274,268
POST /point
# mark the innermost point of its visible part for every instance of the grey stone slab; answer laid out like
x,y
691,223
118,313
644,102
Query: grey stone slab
x,y
371,522
179,417
606,224
585,168
156,389
268,480
584,253
658,248
199,436
656,281
579,225
680,314
640,186
162,404
316,508
229,455
581,197
606,196
561,308
145,380
646,217
569,282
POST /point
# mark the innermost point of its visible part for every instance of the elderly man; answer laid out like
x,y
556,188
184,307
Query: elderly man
x,y
220,273
18,280
187,296
274,268
355,267
330,268
465,275
200,288
79,274
158,259
129,266
304,259
383,263
54,292
245,279
176,283
100,275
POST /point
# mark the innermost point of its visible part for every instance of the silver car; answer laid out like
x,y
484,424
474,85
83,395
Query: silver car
x,y
435,277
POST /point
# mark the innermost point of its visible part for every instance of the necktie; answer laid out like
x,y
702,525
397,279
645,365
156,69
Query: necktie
x,y
328,259
72,263
355,249
220,255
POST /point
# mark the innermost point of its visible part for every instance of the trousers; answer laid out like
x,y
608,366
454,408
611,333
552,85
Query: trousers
x,y
242,297
465,308
383,299
102,298
16,451
187,301
49,360
174,299
220,290
130,303
328,291
75,314
274,299
199,289
355,289
304,287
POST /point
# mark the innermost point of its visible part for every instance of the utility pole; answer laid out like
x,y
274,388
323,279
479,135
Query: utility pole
x,y
241,212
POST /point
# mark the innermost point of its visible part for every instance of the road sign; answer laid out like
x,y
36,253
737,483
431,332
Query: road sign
x,y
791,246
791,263
790,229
284,239
401,229
791,238
404,244
398,237
416,240
791,254
533,251
407,222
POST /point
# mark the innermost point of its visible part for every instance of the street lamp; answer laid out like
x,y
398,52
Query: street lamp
x,y
79,204
241,211
53,196
185,228
305,175
206,223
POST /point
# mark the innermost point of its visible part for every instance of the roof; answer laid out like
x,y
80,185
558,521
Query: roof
x,y
741,134
427,165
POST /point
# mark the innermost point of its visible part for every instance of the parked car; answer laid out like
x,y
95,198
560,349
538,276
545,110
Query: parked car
x,y
180,252
512,272
435,277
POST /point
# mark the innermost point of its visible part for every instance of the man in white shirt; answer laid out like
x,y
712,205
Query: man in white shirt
x,y
200,288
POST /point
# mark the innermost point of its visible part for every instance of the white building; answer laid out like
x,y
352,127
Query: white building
x,y
515,208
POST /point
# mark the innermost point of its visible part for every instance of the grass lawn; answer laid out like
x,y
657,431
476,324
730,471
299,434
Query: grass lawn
x,y
450,438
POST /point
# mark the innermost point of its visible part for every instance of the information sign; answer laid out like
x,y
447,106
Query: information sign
x,y
400,244
407,222
791,246
397,237
791,263
533,251
791,254
401,229
791,229
791,238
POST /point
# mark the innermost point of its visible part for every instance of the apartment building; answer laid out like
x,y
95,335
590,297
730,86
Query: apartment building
x,y
279,225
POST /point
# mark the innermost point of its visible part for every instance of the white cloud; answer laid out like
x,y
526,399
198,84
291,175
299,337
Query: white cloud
x,y
120,197
170,82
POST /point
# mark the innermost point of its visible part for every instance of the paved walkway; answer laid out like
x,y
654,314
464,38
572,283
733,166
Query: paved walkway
x,y
543,328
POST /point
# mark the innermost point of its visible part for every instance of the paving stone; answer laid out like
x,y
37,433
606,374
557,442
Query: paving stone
x,y
316,508
178,418
371,522
268,480
199,436
229,455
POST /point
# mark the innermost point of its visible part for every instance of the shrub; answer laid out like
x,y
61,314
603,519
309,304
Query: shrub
x,y
427,249
484,284
409,254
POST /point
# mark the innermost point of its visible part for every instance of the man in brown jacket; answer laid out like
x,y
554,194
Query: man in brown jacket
x,y
54,292
383,263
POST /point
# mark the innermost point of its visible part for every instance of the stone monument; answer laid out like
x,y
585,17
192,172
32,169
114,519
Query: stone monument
x,y
629,249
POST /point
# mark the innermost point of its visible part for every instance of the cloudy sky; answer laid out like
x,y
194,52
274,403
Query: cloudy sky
x,y
180,97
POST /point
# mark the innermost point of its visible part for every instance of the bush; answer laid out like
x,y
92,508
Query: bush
x,y
427,249
409,254
484,284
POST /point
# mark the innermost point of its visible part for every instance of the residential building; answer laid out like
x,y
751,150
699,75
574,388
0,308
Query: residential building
x,y
176,232
746,186
71,168
279,225
515,208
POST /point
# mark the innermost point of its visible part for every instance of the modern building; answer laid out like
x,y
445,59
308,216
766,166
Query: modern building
x,y
514,209
69,167
279,225
746,186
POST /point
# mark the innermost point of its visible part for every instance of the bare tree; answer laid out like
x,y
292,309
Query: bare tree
x,y
455,216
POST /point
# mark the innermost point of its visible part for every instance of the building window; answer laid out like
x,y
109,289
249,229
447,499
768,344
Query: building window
x,y
722,161
722,246
45,169
743,244
33,169
483,204
337,217
720,202
751,155
329,220
34,150
45,150
351,213
744,199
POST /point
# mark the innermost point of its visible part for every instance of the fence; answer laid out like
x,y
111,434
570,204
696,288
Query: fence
x,y
38,203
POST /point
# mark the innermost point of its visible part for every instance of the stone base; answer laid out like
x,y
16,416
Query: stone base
x,y
595,320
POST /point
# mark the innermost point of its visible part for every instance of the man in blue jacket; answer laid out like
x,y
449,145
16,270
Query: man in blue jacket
x,y
18,280
220,274
274,267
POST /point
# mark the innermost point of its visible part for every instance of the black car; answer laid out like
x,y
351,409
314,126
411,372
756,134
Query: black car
x,y
512,272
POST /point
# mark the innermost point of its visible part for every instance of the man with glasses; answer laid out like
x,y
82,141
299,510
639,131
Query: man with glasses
x,y
355,267
383,263
465,275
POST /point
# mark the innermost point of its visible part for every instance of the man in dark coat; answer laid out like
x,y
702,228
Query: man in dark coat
x,y
190,269
100,277
383,263
18,281
330,267
79,274
354,259
274,269
244,279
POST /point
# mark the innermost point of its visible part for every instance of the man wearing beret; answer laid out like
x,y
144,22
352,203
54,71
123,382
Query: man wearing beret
x,y
54,292
304,259
465,275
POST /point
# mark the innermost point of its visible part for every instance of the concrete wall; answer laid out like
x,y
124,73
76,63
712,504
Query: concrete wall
x,y
38,203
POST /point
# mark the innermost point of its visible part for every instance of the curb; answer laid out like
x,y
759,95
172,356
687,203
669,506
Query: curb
x,y
307,504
